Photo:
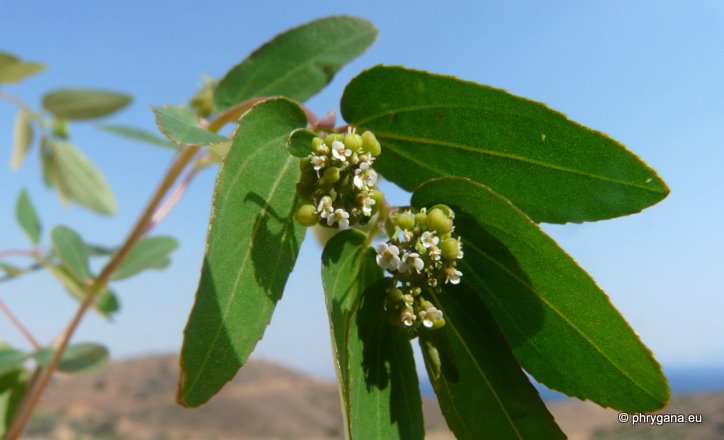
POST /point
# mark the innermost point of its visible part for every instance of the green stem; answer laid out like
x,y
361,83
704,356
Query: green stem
x,y
91,291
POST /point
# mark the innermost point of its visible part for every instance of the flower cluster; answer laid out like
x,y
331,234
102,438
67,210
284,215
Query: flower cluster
x,y
421,255
338,183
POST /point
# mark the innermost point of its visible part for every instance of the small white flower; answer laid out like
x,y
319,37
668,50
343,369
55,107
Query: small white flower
x,y
339,152
429,239
407,236
364,179
408,299
325,208
341,217
429,316
434,252
367,203
452,275
319,162
408,318
411,260
388,256
365,161
323,148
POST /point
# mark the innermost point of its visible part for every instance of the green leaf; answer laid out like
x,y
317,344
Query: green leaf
x,y
13,70
82,104
27,216
12,390
137,134
84,357
72,251
181,125
10,358
299,143
553,169
76,177
297,63
105,304
251,248
10,270
375,367
22,139
149,253
490,381
561,326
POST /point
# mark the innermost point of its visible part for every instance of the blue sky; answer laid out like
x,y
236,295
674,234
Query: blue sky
x,y
650,74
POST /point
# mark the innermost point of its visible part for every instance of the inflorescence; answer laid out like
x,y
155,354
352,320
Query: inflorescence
x,y
338,183
421,255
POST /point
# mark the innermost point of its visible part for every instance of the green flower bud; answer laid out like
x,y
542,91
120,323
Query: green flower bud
x,y
445,209
371,144
316,142
307,215
390,227
406,220
331,175
438,323
306,164
449,249
438,221
353,141
333,137
379,198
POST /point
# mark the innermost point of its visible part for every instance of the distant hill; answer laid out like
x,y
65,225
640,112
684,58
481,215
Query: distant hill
x,y
134,400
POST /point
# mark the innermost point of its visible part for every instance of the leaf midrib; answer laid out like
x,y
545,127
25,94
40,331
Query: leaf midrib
x,y
500,155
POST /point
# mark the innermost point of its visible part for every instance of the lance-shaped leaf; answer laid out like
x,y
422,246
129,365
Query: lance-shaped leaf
x,y
82,104
553,169
22,138
251,248
489,380
83,357
13,69
106,302
181,125
75,176
72,251
137,134
297,63
149,253
27,216
12,390
375,367
562,328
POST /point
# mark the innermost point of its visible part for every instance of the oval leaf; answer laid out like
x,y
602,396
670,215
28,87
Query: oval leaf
x,y
553,169
13,70
84,357
561,326
72,251
76,177
137,134
181,125
489,382
251,248
82,104
375,366
10,358
149,253
27,216
22,139
297,63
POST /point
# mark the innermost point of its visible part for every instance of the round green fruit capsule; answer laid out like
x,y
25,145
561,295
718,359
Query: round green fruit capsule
x,y
449,248
331,175
333,137
421,220
406,220
307,215
353,141
370,143
438,221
